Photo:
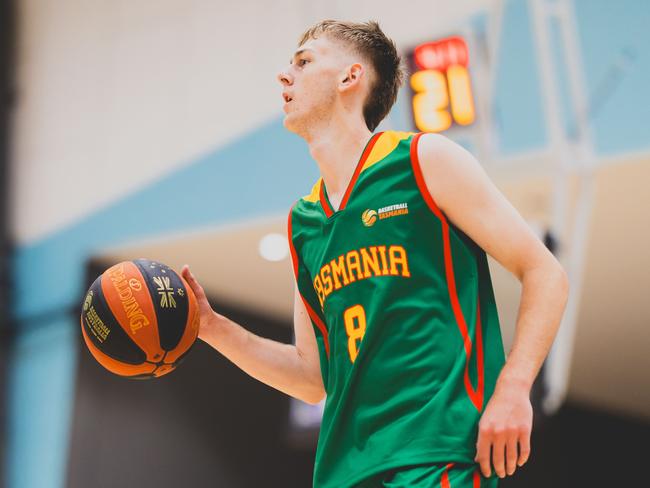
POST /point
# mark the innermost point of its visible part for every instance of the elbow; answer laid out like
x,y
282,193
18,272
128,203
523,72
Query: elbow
x,y
314,396
313,391
558,280
552,273
310,387
564,282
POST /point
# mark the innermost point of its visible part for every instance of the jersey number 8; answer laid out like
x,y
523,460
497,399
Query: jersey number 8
x,y
355,326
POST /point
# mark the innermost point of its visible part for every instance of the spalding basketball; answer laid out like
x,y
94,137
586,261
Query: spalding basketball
x,y
139,319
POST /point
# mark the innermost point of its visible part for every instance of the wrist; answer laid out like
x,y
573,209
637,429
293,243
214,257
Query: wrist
x,y
512,381
212,328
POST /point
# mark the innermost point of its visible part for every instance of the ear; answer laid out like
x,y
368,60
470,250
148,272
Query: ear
x,y
351,77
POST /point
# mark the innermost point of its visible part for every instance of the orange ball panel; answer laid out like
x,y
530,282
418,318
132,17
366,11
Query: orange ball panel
x,y
127,296
163,369
191,327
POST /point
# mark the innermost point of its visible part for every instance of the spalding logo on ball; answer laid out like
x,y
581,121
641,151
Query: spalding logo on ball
x,y
139,319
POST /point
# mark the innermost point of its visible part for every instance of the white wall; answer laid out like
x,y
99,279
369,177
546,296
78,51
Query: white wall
x,y
116,93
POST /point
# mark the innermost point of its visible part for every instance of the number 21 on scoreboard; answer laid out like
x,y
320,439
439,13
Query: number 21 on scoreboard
x,y
442,91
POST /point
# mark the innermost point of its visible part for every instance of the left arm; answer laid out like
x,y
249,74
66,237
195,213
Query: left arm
x,y
463,191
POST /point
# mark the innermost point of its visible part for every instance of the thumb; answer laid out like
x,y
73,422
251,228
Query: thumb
x,y
185,272
196,287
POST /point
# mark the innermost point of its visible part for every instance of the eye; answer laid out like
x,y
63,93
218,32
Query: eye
x,y
302,62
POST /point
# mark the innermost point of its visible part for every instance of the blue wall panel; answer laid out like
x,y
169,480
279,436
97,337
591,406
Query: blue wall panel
x,y
262,173
614,38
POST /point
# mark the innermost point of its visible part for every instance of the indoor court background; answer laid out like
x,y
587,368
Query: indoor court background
x,y
154,128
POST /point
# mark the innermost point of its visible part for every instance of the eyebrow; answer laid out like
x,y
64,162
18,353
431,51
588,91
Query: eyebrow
x,y
298,53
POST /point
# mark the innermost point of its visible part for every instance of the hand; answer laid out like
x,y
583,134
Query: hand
x,y
207,315
505,424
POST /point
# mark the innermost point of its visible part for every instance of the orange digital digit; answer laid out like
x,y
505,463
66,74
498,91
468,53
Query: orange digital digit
x,y
460,93
430,101
442,88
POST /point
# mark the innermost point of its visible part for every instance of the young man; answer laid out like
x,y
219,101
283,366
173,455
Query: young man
x,y
395,318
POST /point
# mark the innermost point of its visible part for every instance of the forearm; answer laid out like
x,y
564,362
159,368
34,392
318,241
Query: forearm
x,y
273,363
543,298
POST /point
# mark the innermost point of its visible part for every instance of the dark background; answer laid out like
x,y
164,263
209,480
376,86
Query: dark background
x,y
7,47
208,424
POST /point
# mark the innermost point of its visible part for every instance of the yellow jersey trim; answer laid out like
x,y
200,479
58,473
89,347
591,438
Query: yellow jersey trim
x,y
314,196
385,145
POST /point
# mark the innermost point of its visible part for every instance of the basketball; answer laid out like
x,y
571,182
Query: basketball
x,y
139,319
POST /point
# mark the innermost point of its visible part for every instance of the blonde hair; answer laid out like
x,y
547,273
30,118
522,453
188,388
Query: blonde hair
x,y
367,39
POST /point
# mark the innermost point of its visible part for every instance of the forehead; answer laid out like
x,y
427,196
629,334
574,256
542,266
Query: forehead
x,y
323,45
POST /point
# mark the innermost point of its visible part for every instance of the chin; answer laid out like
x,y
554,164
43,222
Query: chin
x,y
287,124
291,124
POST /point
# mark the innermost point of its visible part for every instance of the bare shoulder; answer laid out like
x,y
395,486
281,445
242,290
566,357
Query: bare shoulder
x,y
450,171
439,143
461,188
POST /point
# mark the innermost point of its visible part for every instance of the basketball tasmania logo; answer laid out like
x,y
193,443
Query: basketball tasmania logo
x,y
369,216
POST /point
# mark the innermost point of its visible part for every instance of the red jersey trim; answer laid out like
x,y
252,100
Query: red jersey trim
x,y
355,176
475,395
444,479
445,483
357,170
323,201
477,479
310,311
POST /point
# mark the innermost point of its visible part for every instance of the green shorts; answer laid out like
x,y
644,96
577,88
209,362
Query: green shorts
x,y
431,476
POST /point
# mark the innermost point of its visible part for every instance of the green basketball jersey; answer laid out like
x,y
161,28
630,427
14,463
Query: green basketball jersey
x,y
405,319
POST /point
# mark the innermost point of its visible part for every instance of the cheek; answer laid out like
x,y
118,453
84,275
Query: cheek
x,y
321,78
320,90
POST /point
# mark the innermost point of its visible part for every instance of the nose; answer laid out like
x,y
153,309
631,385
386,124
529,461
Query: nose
x,y
285,78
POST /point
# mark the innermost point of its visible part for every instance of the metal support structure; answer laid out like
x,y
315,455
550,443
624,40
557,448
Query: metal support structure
x,y
573,156
486,74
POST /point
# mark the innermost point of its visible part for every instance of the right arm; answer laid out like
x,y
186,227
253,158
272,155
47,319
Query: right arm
x,y
292,369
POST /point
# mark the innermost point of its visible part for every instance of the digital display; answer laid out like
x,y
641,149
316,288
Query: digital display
x,y
441,86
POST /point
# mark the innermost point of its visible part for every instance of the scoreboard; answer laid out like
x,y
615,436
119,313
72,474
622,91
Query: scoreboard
x,y
440,85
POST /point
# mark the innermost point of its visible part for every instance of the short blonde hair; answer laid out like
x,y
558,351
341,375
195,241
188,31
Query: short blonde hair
x,y
367,39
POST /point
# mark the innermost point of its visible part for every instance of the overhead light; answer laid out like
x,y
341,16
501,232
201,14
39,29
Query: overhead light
x,y
274,247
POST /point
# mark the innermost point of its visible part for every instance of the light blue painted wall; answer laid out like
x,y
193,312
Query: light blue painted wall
x,y
615,41
261,173
517,103
41,394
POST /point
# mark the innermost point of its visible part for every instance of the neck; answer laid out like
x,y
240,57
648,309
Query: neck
x,y
336,147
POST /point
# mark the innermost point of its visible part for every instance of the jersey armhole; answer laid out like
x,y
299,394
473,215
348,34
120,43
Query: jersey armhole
x,y
292,249
419,178
316,320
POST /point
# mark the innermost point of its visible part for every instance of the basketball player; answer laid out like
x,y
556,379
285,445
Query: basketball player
x,y
395,317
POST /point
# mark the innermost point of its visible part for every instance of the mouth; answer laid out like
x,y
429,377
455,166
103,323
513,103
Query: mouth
x,y
286,97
